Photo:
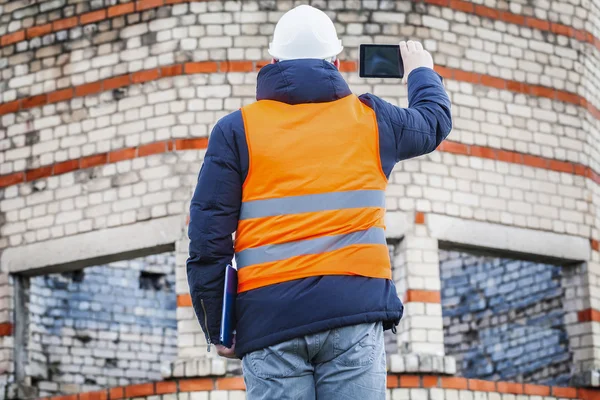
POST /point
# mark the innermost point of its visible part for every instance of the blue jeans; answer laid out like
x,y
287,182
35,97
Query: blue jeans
x,y
345,363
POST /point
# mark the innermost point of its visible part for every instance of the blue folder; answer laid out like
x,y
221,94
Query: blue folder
x,y
228,316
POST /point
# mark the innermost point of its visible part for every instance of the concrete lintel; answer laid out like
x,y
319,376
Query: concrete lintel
x,y
94,248
523,241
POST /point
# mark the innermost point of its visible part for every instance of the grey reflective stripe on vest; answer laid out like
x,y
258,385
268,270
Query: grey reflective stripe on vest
x,y
312,203
277,252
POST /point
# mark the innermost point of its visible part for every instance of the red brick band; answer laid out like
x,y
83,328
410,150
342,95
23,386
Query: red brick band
x,y
201,143
84,19
158,388
514,157
141,5
517,19
208,67
128,79
517,87
422,296
589,315
477,385
103,159
393,381
6,329
184,300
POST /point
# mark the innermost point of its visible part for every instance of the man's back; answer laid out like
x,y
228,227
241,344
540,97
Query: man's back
x,y
300,177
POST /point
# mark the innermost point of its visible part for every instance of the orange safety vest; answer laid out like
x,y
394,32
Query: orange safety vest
x,y
313,202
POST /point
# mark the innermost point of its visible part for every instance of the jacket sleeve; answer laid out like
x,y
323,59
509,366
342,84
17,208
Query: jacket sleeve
x,y
214,212
416,130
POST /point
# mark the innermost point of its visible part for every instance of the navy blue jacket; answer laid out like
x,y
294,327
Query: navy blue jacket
x,y
283,311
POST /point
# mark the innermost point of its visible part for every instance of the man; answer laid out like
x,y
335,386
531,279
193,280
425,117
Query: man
x,y
300,177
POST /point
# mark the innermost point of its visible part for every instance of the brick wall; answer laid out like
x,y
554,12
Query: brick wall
x,y
391,342
504,318
168,108
6,331
432,387
105,109
102,326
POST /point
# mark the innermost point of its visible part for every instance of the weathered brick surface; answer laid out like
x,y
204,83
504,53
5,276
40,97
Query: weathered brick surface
x,y
504,318
98,198
102,326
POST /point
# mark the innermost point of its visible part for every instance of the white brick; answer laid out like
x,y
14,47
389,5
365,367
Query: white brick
x,y
40,222
13,228
134,54
466,100
109,59
251,17
214,91
179,9
401,394
132,127
189,44
506,62
134,30
162,171
477,55
388,17
437,394
132,102
77,67
465,198
126,204
21,81
435,23
164,47
237,395
218,395
47,122
215,18
103,134
250,41
493,203
160,122
216,42
163,96
487,34
188,326
164,23
426,322
465,395
18,153
519,110
566,52
545,115
541,46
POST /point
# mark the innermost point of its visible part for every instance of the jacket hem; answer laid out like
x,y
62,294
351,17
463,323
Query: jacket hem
x,y
338,322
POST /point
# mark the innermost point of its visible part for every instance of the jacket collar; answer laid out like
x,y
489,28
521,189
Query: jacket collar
x,y
301,81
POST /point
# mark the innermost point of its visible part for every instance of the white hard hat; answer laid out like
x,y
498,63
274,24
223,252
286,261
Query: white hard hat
x,y
305,32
